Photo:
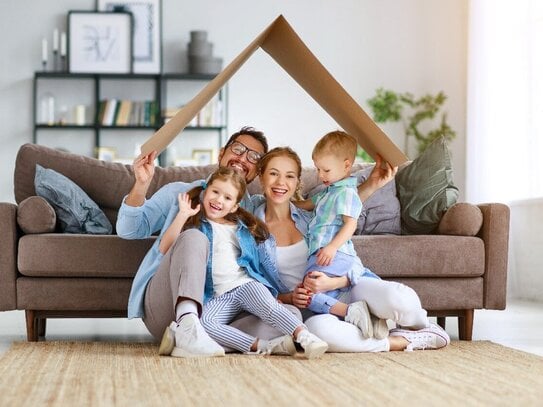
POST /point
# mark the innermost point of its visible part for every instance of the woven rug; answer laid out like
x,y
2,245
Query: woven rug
x,y
103,374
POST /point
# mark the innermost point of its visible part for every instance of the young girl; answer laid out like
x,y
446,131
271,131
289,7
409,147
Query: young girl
x,y
233,280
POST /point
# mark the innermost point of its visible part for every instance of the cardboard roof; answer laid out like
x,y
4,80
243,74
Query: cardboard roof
x,y
282,43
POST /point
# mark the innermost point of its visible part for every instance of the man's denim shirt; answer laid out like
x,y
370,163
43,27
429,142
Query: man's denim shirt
x,y
268,250
140,222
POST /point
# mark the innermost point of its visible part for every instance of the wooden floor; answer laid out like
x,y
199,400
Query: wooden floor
x,y
519,326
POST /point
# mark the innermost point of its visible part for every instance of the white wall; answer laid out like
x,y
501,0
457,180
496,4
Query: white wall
x,y
406,45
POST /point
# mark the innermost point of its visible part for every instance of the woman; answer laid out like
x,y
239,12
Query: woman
x,y
286,252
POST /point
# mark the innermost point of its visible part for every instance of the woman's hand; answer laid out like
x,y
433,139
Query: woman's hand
x,y
378,178
301,296
185,206
318,282
144,168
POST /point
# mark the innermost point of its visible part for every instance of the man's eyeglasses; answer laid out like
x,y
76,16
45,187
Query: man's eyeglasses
x,y
239,149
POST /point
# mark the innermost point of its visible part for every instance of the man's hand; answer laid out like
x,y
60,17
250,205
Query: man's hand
x,y
144,168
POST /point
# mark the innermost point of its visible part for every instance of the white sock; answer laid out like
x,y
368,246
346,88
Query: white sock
x,y
185,307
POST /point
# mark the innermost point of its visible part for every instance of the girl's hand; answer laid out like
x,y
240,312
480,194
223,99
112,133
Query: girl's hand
x,y
185,206
144,168
318,282
301,296
325,255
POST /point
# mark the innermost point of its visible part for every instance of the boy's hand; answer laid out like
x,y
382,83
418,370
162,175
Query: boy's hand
x,y
185,206
325,255
301,297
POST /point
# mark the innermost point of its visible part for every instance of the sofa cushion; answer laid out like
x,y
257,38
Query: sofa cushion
x,y
72,255
422,255
461,219
76,212
36,215
425,189
381,211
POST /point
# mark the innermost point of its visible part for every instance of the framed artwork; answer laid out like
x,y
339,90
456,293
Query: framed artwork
x,y
99,42
106,153
202,157
147,33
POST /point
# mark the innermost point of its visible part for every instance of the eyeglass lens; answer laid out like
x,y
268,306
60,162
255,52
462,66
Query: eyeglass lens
x,y
239,149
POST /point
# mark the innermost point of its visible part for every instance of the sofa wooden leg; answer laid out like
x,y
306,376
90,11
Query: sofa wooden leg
x,y
441,322
31,326
42,324
465,325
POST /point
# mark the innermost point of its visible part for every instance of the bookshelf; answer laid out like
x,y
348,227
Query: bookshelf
x,y
109,105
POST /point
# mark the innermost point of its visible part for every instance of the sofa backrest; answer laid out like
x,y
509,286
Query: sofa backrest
x,y
107,183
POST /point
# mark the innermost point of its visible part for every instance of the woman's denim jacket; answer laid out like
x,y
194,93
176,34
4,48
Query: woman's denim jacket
x,y
268,250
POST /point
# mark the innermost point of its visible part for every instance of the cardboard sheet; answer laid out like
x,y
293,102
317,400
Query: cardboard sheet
x,y
282,43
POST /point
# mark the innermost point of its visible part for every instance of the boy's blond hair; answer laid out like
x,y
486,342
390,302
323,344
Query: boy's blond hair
x,y
337,143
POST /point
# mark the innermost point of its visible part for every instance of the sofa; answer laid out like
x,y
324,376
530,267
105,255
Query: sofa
x,y
459,267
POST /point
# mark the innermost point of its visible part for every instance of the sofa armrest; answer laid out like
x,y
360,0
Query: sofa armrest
x,y
8,256
495,234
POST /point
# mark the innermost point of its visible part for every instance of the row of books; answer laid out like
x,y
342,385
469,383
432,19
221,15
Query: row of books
x,y
211,115
115,112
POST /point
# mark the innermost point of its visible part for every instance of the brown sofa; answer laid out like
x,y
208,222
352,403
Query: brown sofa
x,y
59,275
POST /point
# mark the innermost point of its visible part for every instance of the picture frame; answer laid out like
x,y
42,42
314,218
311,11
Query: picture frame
x,y
106,153
203,157
99,42
147,32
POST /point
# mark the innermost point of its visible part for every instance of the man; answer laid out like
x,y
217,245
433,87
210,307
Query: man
x,y
170,287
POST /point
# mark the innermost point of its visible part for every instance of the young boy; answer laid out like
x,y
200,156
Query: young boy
x,y
336,210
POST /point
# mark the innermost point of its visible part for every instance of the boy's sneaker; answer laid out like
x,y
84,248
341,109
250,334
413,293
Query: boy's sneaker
x,y
433,337
282,345
189,340
380,327
312,345
359,315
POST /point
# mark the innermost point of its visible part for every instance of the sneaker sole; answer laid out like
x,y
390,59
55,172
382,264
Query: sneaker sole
x,y
316,350
183,353
380,329
367,329
167,343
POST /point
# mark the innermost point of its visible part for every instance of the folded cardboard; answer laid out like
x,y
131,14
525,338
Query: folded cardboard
x,y
282,43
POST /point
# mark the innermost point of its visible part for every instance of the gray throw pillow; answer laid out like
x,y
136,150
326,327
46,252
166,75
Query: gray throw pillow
x,y
426,189
76,212
380,213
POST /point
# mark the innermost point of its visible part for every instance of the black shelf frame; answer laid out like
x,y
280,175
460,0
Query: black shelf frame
x,y
160,86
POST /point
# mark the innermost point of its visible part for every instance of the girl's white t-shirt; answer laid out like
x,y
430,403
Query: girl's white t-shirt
x,y
291,263
227,274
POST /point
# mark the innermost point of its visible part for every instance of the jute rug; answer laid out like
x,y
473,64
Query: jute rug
x,y
103,374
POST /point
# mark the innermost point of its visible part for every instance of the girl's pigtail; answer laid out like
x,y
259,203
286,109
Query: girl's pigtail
x,y
194,196
257,228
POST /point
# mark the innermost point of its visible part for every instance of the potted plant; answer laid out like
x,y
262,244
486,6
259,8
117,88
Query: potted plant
x,y
414,113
